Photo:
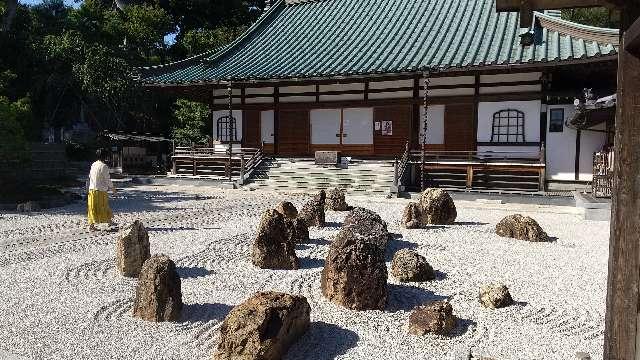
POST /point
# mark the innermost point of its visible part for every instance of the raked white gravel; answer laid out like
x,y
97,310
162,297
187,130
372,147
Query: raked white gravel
x,y
61,297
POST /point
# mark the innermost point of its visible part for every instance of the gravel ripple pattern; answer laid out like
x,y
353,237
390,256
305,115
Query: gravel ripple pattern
x,y
64,299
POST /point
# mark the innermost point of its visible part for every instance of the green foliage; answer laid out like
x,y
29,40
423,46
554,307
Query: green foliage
x,y
14,116
201,40
188,123
600,17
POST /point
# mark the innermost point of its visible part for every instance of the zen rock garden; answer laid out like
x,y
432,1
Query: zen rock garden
x,y
302,277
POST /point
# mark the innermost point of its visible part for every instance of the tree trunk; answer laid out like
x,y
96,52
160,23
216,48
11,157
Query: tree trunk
x,y
9,14
624,246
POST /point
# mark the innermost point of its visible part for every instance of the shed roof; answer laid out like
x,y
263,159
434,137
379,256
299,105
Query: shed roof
x,y
329,38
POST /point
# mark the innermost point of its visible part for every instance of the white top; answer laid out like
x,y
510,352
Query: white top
x,y
99,178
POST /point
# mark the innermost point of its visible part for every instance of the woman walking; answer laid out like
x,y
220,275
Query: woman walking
x,y
98,210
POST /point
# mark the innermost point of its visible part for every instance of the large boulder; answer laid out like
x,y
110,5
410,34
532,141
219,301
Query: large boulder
x,y
412,216
313,211
355,273
437,207
432,318
336,200
158,294
297,230
407,265
132,249
273,247
495,296
263,327
367,226
521,228
287,209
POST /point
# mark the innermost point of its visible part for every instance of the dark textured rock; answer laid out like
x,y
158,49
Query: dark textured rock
x,y
435,318
263,327
287,209
407,265
336,200
368,226
412,216
273,248
437,207
495,296
313,211
158,294
355,273
132,249
29,206
297,230
522,228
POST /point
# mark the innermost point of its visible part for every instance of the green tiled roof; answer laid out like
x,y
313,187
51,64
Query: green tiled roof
x,y
327,38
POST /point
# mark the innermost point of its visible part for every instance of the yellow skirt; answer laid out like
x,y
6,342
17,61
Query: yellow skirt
x,y
98,210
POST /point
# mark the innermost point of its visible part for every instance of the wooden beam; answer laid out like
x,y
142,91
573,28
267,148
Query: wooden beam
x,y
621,323
536,5
632,39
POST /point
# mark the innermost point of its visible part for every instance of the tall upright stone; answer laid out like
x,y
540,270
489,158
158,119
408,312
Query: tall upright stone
x,y
274,247
355,273
132,249
313,211
368,226
336,200
159,291
437,207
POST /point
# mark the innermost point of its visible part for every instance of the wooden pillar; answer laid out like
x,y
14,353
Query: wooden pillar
x,y
476,106
621,327
276,118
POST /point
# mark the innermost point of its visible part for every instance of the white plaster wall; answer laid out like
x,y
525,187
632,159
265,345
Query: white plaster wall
x,y
325,124
293,99
449,92
236,114
510,89
435,132
297,89
391,95
342,97
266,126
457,80
590,142
342,87
391,84
532,152
561,147
357,124
259,91
259,100
531,110
530,76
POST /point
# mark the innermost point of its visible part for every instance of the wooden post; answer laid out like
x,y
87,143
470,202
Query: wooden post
x,y
395,173
543,169
469,176
621,324
241,181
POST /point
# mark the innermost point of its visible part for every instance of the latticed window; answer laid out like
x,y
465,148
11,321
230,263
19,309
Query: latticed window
x,y
508,126
227,129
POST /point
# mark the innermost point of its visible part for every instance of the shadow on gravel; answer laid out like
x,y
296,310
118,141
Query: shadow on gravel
x,y
396,244
192,272
406,297
204,312
168,229
320,241
311,263
462,327
332,224
470,223
440,275
323,341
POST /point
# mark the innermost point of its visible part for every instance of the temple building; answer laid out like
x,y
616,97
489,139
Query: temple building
x,y
354,76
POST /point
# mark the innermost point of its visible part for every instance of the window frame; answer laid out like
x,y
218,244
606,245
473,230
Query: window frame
x,y
222,129
497,125
552,128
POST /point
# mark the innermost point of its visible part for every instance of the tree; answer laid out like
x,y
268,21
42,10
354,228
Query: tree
x,y
14,116
189,122
9,8
600,17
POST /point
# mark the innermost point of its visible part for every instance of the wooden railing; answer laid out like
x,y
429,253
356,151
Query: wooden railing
x,y
471,161
400,169
236,165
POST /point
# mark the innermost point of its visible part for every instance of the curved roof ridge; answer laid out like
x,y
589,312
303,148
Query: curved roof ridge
x,y
586,32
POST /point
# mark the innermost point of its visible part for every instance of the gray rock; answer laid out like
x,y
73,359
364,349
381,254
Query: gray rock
x,y
434,318
412,216
336,200
437,207
521,228
274,248
287,209
132,249
297,230
313,211
367,226
159,291
263,327
407,265
495,296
